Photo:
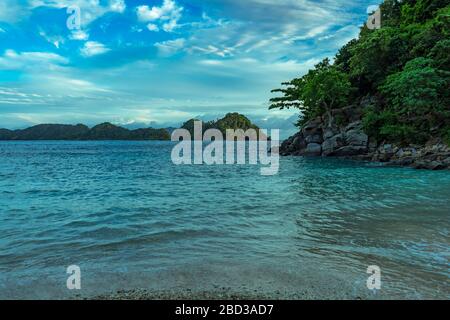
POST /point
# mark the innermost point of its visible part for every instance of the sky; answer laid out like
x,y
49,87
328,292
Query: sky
x,y
161,62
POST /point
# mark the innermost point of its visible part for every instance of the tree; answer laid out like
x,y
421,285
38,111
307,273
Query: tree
x,y
318,92
419,93
377,55
344,55
440,55
419,11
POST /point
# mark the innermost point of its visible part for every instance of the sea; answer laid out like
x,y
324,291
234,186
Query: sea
x,y
128,218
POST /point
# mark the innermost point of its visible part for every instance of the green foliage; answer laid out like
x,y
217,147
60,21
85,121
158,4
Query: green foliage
x,y
373,122
233,121
386,126
104,131
319,91
441,55
418,89
376,56
189,125
421,10
401,134
391,12
344,55
424,36
230,121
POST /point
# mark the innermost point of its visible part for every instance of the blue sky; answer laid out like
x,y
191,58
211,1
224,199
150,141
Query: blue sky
x,y
161,62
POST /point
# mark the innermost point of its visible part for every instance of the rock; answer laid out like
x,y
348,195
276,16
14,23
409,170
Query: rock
x,y
400,153
357,125
293,144
430,157
312,126
286,147
373,145
328,133
356,138
385,152
313,150
347,114
315,138
347,151
332,144
430,165
404,162
299,143
387,148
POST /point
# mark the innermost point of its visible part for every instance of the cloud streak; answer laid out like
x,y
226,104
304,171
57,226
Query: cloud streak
x,y
161,60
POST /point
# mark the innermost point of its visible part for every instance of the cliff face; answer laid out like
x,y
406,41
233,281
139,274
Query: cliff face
x,y
344,136
385,95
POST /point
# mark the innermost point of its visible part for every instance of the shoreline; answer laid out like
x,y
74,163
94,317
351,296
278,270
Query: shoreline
x,y
222,293
316,140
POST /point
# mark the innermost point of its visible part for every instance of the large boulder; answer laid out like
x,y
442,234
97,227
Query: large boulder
x,y
328,133
430,165
312,127
356,125
356,138
348,151
332,144
314,138
299,142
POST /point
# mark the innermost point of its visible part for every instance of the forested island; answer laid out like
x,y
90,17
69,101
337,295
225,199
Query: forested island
x,y
385,97
230,121
109,131
104,131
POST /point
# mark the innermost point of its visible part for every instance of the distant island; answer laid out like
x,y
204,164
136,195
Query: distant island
x,y
104,131
109,131
230,121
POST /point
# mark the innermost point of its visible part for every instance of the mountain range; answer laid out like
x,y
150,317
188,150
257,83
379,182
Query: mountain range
x,y
109,131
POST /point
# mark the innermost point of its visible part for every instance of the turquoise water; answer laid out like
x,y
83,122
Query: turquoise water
x,y
130,218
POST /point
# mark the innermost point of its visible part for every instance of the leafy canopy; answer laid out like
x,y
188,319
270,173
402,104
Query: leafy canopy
x,y
318,92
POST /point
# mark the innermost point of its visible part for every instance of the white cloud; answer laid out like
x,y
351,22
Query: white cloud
x,y
93,48
10,11
213,50
90,9
152,27
167,15
117,5
170,47
55,40
27,60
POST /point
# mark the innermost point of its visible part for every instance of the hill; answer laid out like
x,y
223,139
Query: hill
x,y
230,121
104,131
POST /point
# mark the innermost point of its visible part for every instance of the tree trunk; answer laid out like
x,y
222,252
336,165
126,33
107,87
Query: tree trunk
x,y
330,118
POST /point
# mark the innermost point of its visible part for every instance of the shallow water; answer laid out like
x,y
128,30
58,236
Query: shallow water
x,y
130,218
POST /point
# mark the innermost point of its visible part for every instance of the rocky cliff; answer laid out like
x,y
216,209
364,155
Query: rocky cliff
x,y
344,136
